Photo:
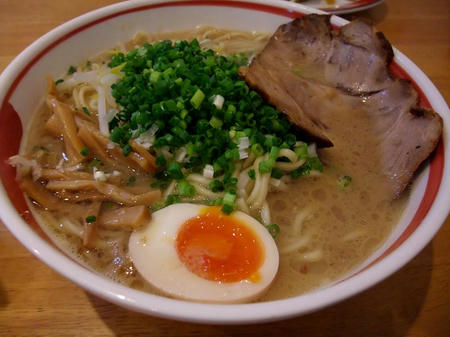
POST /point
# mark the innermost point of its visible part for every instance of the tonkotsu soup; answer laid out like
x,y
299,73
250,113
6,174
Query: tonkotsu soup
x,y
165,119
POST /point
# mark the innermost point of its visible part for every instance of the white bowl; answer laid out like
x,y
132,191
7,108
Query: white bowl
x,y
22,88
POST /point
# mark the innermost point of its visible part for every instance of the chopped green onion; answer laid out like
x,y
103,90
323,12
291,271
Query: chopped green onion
x,y
157,205
303,170
126,150
216,202
257,150
217,167
185,189
228,202
168,72
344,181
91,218
160,160
184,113
315,164
302,151
311,164
270,141
273,229
58,81
216,186
117,134
274,153
227,209
265,166
165,84
71,70
276,173
172,199
197,99
86,111
190,149
174,170
215,122
162,184
84,151
154,76
232,154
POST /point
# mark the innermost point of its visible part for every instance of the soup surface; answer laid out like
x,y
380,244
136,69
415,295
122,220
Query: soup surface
x,y
329,222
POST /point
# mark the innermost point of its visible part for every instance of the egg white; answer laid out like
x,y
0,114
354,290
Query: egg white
x,y
153,251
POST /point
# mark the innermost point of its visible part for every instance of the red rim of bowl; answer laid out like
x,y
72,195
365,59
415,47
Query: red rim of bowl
x,y
11,133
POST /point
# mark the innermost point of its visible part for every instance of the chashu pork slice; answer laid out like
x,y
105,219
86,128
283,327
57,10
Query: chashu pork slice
x,y
306,61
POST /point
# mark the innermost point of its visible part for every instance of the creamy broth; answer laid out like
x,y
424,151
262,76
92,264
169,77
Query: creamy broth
x,y
345,225
326,230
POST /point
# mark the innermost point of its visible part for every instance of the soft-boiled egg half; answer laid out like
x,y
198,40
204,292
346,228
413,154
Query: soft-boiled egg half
x,y
198,253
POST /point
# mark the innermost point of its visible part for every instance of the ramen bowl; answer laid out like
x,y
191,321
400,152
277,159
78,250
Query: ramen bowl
x,y
22,89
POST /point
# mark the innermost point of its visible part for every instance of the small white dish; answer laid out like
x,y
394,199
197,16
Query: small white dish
x,y
341,6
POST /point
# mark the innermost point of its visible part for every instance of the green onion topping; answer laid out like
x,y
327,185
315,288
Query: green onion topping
x,y
91,218
198,101
344,181
273,229
71,70
84,151
252,174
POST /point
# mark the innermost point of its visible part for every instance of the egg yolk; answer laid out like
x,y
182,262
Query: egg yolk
x,y
218,247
